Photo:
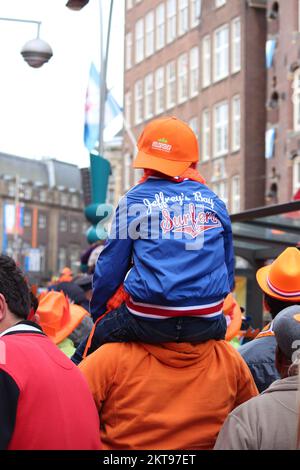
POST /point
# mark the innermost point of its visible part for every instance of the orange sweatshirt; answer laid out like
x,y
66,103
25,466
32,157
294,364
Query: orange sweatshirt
x,y
166,396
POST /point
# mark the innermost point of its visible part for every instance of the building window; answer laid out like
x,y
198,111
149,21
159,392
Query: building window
x,y
193,123
11,189
194,71
205,135
160,26
42,250
63,225
235,194
219,3
171,84
127,168
182,78
43,195
138,98
296,174
74,254
128,54
236,124
221,129
84,228
195,12
62,258
296,100
64,199
27,192
221,53
206,62
128,109
27,219
74,226
149,33
236,45
129,4
159,90
149,96
139,41
183,17
171,20
221,190
74,201
42,221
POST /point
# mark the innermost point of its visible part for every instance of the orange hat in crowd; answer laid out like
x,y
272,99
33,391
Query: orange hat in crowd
x,y
281,279
167,145
57,317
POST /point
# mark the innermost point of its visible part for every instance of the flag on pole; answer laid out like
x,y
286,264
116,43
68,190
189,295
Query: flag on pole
x,y
113,121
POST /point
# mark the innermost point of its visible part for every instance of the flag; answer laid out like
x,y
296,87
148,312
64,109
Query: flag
x,y
113,120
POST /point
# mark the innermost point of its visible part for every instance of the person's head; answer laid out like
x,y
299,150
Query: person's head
x,y
66,275
280,281
286,327
167,145
15,301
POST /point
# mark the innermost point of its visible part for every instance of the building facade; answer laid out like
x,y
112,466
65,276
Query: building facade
x,y
283,101
41,215
204,62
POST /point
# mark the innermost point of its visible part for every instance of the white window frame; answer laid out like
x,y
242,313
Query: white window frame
x,y
296,174
127,171
195,12
128,55
160,26
129,4
149,35
183,17
220,3
236,43
171,84
139,40
221,53
171,20
221,190
128,109
194,125
183,78
206,61
296,100
221,129
235,205
159,90
148,96
194,71
138,102
206,136
236,123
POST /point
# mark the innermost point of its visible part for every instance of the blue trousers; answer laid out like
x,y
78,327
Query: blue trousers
x,y
120,326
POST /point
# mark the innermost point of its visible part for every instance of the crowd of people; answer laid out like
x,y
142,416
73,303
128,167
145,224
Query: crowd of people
x,y
144,352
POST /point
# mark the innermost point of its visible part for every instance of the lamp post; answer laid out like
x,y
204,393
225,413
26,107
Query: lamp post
x,y
35,52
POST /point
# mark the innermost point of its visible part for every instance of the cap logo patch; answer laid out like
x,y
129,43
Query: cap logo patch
x,y
162,144
297,317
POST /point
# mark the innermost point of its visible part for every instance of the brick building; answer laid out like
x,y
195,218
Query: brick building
x,y
203,61
49,194
283,101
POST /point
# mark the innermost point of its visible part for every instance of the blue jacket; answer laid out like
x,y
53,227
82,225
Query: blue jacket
x,y
260,357
172,243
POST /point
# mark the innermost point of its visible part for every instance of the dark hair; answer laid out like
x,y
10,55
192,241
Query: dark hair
x,y
14,287
276,305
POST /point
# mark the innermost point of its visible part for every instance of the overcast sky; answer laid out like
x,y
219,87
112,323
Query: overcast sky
x,y
42,110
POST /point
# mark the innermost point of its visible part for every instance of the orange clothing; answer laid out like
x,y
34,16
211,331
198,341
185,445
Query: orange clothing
x,y
166,396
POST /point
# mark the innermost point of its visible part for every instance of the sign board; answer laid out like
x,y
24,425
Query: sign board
x,y
33,261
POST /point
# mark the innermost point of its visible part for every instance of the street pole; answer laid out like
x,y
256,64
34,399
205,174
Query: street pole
x,y
103,74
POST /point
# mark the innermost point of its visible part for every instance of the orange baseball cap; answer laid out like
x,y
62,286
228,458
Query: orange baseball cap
x,y
167,145
281,279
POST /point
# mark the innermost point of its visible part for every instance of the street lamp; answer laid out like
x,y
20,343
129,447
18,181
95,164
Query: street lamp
x,y
35,52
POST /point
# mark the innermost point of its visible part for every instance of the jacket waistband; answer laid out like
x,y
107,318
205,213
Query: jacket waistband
x,y
208,311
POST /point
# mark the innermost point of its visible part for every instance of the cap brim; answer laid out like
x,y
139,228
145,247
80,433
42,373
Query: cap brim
x,y
77,314
262,276
162,165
